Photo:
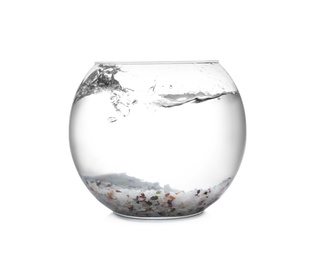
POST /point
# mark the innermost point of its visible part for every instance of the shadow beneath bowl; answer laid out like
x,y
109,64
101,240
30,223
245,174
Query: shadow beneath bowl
x,y
117,216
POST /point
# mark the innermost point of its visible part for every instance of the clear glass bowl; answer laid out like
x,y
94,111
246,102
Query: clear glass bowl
x,y
157,139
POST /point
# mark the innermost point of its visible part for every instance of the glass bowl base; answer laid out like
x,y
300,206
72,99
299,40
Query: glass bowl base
x,y
158,218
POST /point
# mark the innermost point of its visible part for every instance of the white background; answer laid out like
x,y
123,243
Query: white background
x,y
47,47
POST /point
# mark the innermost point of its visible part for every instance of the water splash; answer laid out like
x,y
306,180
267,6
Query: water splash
x,y
102,79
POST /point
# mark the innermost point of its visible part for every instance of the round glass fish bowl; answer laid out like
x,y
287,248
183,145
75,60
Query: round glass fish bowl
x,y
157,139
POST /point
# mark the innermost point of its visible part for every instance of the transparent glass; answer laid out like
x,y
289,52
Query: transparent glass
x,y
157,139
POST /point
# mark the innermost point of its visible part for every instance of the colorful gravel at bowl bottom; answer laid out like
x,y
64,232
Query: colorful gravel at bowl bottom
x,y
133,197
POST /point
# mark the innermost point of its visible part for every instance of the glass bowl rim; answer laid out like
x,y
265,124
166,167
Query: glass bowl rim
x,y
156,62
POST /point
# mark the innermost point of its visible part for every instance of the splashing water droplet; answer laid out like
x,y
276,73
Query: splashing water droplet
x,y
112,119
